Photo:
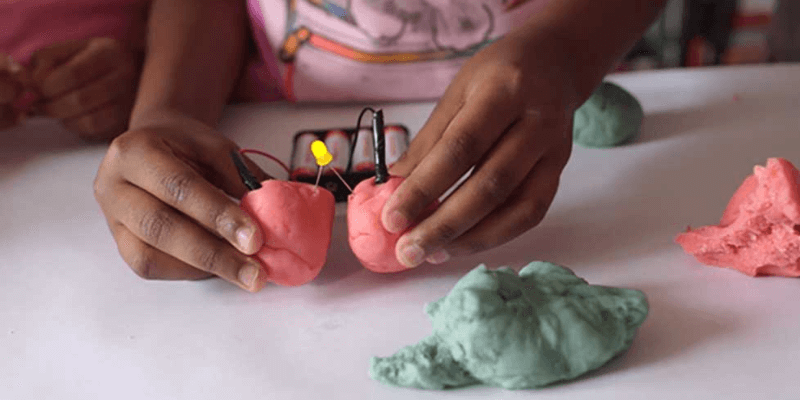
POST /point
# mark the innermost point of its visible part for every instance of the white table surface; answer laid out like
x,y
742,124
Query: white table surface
x,y
76,323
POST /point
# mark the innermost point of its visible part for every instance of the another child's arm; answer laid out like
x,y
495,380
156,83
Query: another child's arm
x,y
10,89
509,113
89,85
163,184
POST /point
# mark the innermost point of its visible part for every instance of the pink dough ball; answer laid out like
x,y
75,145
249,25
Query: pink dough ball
x,y
296,220
371,243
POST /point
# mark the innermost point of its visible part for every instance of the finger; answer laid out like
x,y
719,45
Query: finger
x,y
212,153
9,90
47,59
209,155
8,65
112,86
151,263
470,134
8,117
490,185
162,227
448,106
100,57
524,210
26,103
156,169
5,63
18,73
104,123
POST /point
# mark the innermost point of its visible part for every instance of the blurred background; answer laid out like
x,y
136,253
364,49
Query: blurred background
x,y
692,33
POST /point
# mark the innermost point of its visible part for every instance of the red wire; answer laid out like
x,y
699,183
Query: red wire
x,y
270,156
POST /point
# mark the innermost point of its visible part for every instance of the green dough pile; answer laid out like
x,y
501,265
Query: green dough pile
x,y
523,331
610,117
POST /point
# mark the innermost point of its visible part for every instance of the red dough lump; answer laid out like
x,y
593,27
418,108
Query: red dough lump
x,y
297,220
373,245
759,233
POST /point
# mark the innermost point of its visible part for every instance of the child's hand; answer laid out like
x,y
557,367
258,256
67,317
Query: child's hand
x,y
163,191
10,89
89,85
509,113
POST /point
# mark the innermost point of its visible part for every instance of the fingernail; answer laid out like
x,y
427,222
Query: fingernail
x,y
248,275
13,66
438,257
397,222
412,255
245,238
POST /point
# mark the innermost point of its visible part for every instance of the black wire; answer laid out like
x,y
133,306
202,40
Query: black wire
x,y
247,178
378,144
379,148
355,137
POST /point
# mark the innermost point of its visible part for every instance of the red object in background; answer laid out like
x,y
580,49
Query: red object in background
x,y
737,55
621,67
698,52
750,21
744,48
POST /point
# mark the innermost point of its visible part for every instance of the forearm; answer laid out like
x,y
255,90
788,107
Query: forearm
x,y
592,35
194,55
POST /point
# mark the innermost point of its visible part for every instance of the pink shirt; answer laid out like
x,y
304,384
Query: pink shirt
x,y
372,50
29,25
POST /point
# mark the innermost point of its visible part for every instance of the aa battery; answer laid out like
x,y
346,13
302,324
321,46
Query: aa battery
x,y
362,154
303,163
338,144
396,143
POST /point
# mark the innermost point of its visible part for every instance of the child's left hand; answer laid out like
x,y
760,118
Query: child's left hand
x,y
508,113
89,85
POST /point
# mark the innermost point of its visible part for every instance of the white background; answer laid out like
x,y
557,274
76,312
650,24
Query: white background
x,y
76,323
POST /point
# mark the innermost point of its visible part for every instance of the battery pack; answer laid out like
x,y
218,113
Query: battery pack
x,y
303,166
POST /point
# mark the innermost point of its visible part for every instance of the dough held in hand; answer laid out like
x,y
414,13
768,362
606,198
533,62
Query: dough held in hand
x,y
296,220
371,243
610,117
495,327
759,233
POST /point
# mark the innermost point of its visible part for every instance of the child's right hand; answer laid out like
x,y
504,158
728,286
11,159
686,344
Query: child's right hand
x,y
162,188
10,89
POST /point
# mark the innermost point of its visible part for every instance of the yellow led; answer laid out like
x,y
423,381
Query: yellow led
x,y
321,153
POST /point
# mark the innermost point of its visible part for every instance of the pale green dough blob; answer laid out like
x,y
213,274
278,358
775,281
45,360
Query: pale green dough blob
x,y
610,117
523,331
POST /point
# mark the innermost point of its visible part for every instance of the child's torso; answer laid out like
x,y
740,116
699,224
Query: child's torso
x,y
340,50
